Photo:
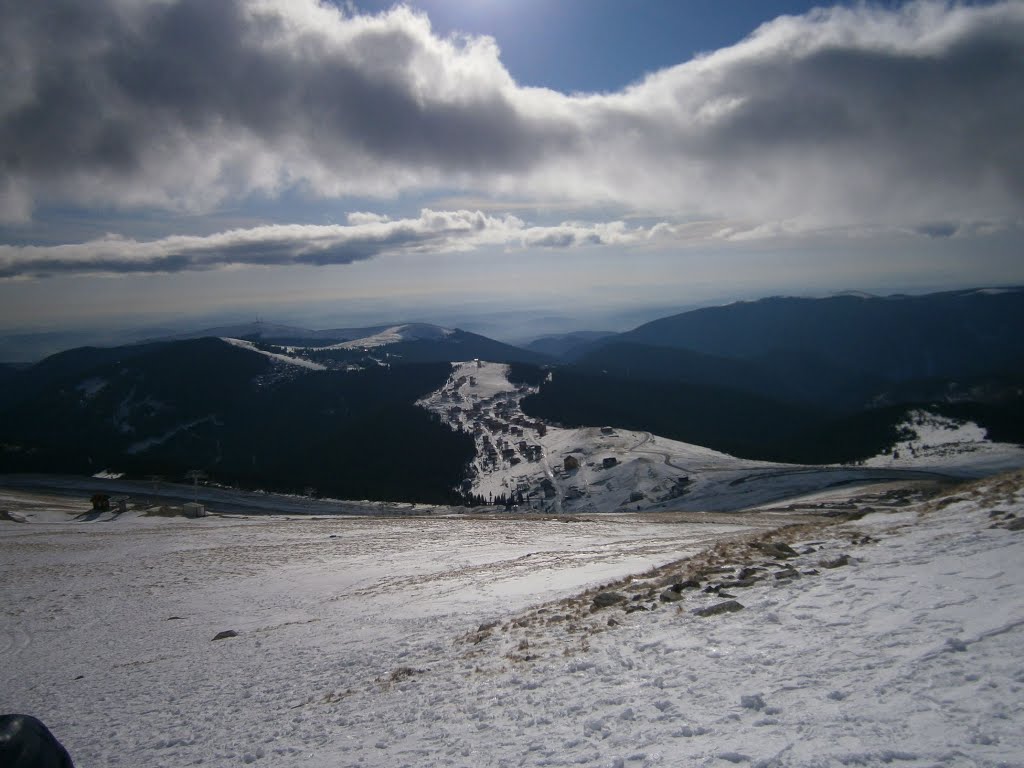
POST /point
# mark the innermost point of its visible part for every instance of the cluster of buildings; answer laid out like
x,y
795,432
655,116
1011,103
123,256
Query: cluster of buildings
x,y
502,432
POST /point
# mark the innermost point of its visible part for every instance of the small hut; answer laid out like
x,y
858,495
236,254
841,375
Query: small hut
x,y
194,509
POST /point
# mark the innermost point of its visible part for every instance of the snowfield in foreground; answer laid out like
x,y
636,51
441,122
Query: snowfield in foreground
x,y
894,639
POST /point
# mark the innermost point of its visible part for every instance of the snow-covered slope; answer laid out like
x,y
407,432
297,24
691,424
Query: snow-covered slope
x,y
892,640
959,447
617,469
298,361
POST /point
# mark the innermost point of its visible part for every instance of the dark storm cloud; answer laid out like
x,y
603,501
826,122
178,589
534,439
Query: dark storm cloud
x,y
847,117
934,120
264,95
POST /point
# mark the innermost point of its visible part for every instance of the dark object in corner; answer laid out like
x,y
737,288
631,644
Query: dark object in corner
x,y
26,743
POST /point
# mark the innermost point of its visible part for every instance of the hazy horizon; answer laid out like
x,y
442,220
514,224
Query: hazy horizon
x,y
517,326
514,169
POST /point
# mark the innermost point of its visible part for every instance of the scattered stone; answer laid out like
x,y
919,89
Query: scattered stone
x,y
612,622
723,593
780,550
670,596
956,644
810,572
787,573
403,673
836,562
608,599
754,701
634,608
734,757
750,572
738,583
729,606
487,625
688,733
225,634
1017,524
688,584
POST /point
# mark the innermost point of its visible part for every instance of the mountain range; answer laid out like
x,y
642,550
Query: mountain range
x,y
791,379
844,352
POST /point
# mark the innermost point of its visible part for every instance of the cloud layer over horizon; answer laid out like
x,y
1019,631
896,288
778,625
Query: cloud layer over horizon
x,y
845,117
365,236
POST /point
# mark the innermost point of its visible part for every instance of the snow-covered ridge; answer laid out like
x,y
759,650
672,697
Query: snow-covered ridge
x,y
855,295
396,334
298,361
996,291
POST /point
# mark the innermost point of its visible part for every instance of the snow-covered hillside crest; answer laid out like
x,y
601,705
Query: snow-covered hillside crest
x,y
287,359
396,334
931,441
373,339
606,469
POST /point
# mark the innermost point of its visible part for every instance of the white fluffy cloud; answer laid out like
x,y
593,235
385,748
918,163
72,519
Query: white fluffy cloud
x,y
365,236
907,117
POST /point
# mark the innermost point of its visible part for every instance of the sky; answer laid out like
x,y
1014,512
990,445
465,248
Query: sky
x,y
509,167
